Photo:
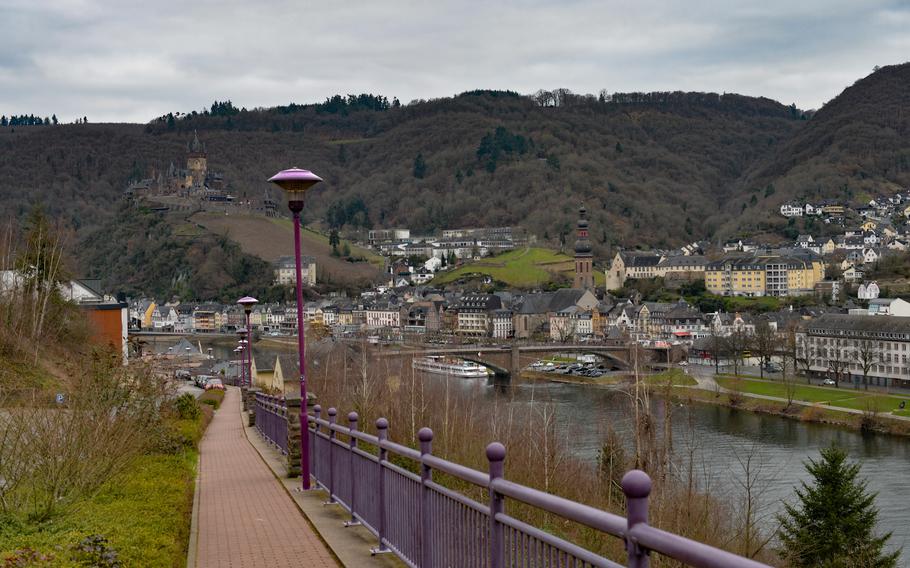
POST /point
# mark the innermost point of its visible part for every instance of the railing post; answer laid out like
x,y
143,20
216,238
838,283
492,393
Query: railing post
x,y
295,430
332,435
425,435
637,486
382,432
251,397
317,413
496,454
352,424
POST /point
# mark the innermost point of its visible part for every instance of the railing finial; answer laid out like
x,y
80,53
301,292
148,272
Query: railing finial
x,y
496,452
353,418
635,484
425,434
382,424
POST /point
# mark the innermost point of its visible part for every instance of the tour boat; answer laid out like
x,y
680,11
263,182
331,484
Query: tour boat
x,y
451,367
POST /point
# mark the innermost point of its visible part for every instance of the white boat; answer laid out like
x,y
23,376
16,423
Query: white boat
x,y
452,367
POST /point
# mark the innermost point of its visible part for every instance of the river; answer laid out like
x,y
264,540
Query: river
x,y
720,438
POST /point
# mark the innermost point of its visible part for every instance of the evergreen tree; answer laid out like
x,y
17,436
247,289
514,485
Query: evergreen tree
x,y
420,167
834,524
333,241
54,120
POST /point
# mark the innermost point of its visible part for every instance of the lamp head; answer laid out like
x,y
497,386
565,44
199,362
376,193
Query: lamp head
x,y
295,182
248,302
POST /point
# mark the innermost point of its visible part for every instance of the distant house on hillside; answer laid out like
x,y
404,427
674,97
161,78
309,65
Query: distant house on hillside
x,y
285,271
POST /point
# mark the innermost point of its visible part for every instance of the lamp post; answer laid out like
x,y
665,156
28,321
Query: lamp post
x,y
244,376
239,364
248,302
295,183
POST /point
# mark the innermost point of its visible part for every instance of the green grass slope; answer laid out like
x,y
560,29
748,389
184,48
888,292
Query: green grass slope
x,y
523,268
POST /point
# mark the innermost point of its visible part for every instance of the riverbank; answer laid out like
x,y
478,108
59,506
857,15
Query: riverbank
x,y
870,420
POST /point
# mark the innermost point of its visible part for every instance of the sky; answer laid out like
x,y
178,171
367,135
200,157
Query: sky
x,y
126,61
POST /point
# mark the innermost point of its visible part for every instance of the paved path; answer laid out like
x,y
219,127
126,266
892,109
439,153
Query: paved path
x,y
245,517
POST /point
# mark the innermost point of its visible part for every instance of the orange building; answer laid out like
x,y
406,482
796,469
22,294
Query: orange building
x,y
109,321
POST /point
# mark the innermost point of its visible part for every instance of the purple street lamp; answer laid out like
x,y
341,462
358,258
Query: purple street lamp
x,y
244,378
295,183
237,350
248,302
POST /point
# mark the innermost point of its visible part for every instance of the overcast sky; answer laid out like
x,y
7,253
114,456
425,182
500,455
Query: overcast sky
x,y
132,61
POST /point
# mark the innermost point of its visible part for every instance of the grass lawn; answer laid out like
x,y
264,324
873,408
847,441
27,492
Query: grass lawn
x,y
802,393
522,268
675,377
143,513
843,398
880,402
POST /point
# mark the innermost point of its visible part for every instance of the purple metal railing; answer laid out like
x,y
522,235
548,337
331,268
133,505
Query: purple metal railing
x,y
428,525
272,420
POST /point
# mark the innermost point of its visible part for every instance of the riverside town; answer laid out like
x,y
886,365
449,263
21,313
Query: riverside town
x,y
638,298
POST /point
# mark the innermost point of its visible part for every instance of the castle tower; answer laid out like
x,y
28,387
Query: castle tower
x,y
196,163
584,276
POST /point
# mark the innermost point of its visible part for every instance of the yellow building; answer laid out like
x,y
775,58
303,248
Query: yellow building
x,y
763,275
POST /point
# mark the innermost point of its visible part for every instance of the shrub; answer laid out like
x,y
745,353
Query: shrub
x,y
186,406
212,397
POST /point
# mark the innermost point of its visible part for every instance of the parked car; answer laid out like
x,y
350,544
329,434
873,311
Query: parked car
x,y
214,384
829,382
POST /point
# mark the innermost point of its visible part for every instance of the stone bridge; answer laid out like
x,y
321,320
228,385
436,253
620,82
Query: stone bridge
x,y
506,361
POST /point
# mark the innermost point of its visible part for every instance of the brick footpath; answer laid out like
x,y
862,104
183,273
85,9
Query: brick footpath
x,y
245,517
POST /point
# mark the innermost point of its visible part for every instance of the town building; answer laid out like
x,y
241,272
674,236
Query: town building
x,y
889,307
838,344
475,314
285,271
764,275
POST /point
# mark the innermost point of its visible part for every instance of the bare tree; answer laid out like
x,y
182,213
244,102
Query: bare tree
x,y
866,354
717,345
805,352
838,362
737,342
754,481
764,344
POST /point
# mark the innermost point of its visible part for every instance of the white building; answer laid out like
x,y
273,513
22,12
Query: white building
x,y
840,344
868,291
889,307
286,271
503,328
383,316
788,210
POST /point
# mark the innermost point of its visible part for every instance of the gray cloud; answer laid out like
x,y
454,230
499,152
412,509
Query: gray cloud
x,y
132,61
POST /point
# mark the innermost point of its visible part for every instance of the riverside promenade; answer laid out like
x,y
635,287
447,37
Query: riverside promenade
x,y
243,516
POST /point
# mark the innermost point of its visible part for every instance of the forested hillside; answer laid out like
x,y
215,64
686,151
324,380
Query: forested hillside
x,y
652,168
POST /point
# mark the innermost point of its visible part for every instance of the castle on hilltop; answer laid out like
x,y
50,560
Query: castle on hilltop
x,y
194,180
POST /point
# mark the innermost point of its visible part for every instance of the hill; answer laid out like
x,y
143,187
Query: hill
x,y
654,169
269,238
856,147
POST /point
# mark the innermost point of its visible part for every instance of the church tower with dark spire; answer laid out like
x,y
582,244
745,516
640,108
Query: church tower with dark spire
x,y
584,275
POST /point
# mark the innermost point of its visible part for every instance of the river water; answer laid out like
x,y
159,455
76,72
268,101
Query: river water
x,y
720,439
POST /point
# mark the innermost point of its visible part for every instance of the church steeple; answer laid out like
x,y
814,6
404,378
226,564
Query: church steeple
x,y
584,276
